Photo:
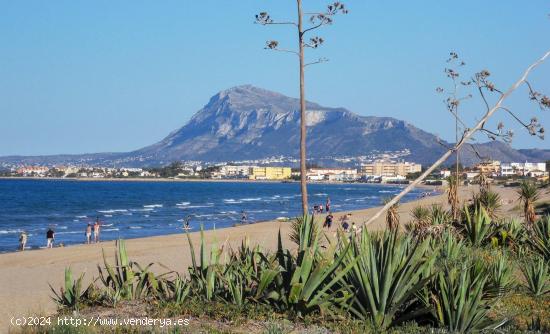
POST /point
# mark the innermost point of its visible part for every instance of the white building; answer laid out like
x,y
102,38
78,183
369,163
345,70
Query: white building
x,y
231,171
332,174
522,168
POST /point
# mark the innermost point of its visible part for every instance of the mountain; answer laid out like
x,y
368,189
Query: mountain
x,y
250,123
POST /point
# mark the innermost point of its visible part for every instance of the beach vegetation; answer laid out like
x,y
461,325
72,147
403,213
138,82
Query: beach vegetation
x,y
528,194
537,276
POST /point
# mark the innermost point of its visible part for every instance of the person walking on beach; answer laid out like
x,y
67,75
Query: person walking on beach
x,y
327,205
89,234
22,240
96,230
50,236
328,221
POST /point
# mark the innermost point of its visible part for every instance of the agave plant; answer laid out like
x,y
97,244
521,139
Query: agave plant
x,y
510,233
248,275
126,279
387,272
462,300
537,276
296,230
71,295
501,275
528,194
477,226
310,281
204,274
489,200
439,216
540,237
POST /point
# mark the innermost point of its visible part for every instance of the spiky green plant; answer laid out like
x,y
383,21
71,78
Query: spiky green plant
x,y
296,230
501,275
71,295
387,271
477,227
310,281
540,237
537,276
510,233
489,200
528,194
126,279
204,274
439,216
462,299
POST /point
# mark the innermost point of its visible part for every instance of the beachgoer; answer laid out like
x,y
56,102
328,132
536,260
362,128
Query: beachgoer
x,y
316,208
22,240
96,230
321,208
328,221
186,223
327,206
89,233
354,228
50,236
244,218
345,226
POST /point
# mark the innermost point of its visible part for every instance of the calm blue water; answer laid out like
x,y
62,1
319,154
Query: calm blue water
x,y
139,209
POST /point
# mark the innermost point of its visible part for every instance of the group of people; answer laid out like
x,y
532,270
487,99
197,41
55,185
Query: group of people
x,y
91,231
320,208
344,223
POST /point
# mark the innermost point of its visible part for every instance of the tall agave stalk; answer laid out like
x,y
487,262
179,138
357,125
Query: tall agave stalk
x,y
452,195
528,194
388,271
392,217
461,299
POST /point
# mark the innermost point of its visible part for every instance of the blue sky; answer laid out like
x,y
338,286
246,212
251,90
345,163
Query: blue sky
x,y
97,76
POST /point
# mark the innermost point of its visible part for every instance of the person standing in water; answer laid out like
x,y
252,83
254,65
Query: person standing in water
x,y
96,230
50,236
327,206
22,240
89,234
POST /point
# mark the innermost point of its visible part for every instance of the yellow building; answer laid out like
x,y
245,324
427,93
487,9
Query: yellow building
x,y
382,168
488,167
270,173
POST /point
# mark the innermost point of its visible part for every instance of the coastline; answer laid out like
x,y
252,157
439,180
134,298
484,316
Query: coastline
x,y
26,274
137,179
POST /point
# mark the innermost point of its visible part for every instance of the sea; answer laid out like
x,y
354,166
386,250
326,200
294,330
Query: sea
x,y
129,209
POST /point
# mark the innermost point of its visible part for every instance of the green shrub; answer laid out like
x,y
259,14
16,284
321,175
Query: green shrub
x,y
537,276
387,271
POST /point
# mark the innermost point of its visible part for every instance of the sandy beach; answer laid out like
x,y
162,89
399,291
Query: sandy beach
x,y
25,275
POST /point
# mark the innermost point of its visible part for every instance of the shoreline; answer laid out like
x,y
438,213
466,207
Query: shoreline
x,y
26,274
336,214
137,179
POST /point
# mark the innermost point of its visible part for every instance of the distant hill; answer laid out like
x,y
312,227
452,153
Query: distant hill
x,y
246,123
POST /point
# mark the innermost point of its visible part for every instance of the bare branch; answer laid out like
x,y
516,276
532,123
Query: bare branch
x,y
319,61
467,135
